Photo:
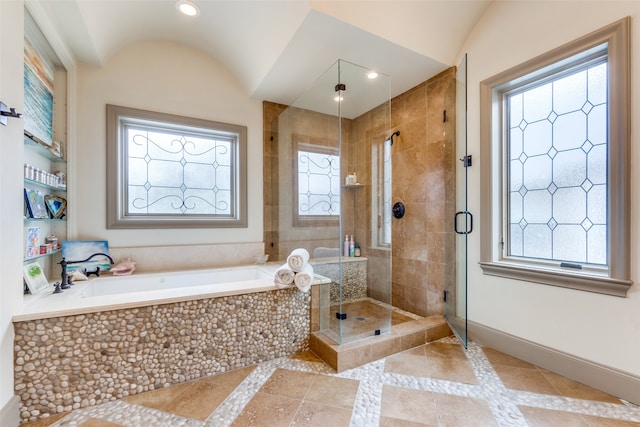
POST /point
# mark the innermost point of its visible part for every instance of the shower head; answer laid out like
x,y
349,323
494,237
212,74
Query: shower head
x,y
396,133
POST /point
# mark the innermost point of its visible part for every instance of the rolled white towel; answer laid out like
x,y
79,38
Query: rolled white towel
x,y
304,278
284,276
298,259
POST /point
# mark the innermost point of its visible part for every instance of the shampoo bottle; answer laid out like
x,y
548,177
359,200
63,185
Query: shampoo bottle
x,y
345,246
352,247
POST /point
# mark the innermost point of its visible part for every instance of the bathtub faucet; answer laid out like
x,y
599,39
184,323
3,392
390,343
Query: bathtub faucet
x,y
65,279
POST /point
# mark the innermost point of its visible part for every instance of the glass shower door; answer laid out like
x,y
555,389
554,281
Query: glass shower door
x,y
456,292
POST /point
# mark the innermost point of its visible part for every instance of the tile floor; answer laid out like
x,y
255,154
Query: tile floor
x,y
436,384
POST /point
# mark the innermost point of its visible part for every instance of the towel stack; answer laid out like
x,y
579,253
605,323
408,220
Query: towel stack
x,y
297,270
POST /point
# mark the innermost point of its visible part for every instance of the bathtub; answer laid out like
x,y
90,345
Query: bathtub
x,y
139,290
223,279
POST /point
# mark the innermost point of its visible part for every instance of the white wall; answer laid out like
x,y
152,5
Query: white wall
x,y
169,78
601,329
11,160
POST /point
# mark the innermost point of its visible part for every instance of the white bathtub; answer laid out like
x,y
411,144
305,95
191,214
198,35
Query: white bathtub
x,y
224,279
139,290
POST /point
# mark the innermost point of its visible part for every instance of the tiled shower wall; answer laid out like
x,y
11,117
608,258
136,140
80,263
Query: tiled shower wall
x,y
423,248
424,180
282,126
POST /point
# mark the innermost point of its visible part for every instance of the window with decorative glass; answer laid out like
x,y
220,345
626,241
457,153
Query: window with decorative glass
x,y
171,171
317,183
557,169
555,166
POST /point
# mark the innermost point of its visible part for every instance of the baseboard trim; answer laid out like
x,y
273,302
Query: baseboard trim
x,y
618,383
10,413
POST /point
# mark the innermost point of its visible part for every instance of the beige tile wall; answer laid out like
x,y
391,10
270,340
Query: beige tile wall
x,y
424,180
280,124
423,253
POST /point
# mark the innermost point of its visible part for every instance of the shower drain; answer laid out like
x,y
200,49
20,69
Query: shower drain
x,y
361,318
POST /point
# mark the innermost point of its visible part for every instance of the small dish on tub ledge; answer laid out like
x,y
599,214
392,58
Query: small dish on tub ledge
x,y
260,259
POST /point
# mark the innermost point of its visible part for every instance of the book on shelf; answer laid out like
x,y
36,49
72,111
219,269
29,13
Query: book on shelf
x,y
33,242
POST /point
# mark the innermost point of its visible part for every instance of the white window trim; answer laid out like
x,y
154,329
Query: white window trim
x,y
616,279
116,182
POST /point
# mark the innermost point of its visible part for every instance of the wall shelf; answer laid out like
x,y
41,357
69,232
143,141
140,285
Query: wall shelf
x,y
26,219
42,255
42,150
30,182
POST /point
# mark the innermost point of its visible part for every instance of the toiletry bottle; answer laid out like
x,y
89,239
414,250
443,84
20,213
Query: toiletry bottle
x,y
352,247
345,248
357,250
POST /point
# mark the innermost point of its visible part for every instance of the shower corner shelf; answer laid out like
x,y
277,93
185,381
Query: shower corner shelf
x,y
352,185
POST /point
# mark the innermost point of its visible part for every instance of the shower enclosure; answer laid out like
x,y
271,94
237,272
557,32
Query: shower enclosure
x,y
329,178
336,163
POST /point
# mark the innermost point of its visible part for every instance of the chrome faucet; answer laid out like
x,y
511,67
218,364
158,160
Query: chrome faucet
x,y
65,279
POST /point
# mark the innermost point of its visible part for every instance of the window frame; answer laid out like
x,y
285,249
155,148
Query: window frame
x,y
117,216
615,278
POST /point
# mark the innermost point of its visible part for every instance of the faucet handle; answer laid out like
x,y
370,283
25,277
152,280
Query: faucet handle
x,y
57,288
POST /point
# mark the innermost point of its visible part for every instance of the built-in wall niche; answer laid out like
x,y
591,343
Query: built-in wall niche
x,y
45,151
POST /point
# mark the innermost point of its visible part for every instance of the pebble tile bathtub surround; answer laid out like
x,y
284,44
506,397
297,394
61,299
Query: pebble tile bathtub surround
x,y
66,363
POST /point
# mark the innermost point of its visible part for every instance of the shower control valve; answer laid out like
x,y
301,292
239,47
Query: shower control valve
x,y
398,210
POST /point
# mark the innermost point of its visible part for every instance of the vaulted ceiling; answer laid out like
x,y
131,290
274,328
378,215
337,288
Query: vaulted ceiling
x,y
277,49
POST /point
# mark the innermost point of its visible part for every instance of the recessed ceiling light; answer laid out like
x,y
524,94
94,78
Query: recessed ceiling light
x,y
372,75
188,8
338,98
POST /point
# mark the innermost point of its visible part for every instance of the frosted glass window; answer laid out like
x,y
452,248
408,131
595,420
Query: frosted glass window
x,y
381,212
557,172
385,237
175,173
318,173
555,137
172,171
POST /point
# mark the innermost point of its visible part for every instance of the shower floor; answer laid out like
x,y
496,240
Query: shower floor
x,y
349,343
364,317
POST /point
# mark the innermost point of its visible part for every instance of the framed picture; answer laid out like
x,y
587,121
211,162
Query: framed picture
x,y
35,203
35,278
56,205
78,250
38,94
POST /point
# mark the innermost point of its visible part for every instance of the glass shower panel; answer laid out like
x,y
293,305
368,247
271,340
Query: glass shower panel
x,y
327,135
455,309
304,183
364,107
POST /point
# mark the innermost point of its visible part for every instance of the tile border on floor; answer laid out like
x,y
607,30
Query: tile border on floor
x,y
121,412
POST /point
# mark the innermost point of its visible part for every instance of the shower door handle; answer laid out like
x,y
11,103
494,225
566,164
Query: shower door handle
x,y
468,229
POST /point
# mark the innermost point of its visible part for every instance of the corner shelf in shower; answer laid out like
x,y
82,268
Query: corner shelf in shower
x,y
352,186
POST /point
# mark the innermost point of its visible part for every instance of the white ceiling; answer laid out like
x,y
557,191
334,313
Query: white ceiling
x,y
277,49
